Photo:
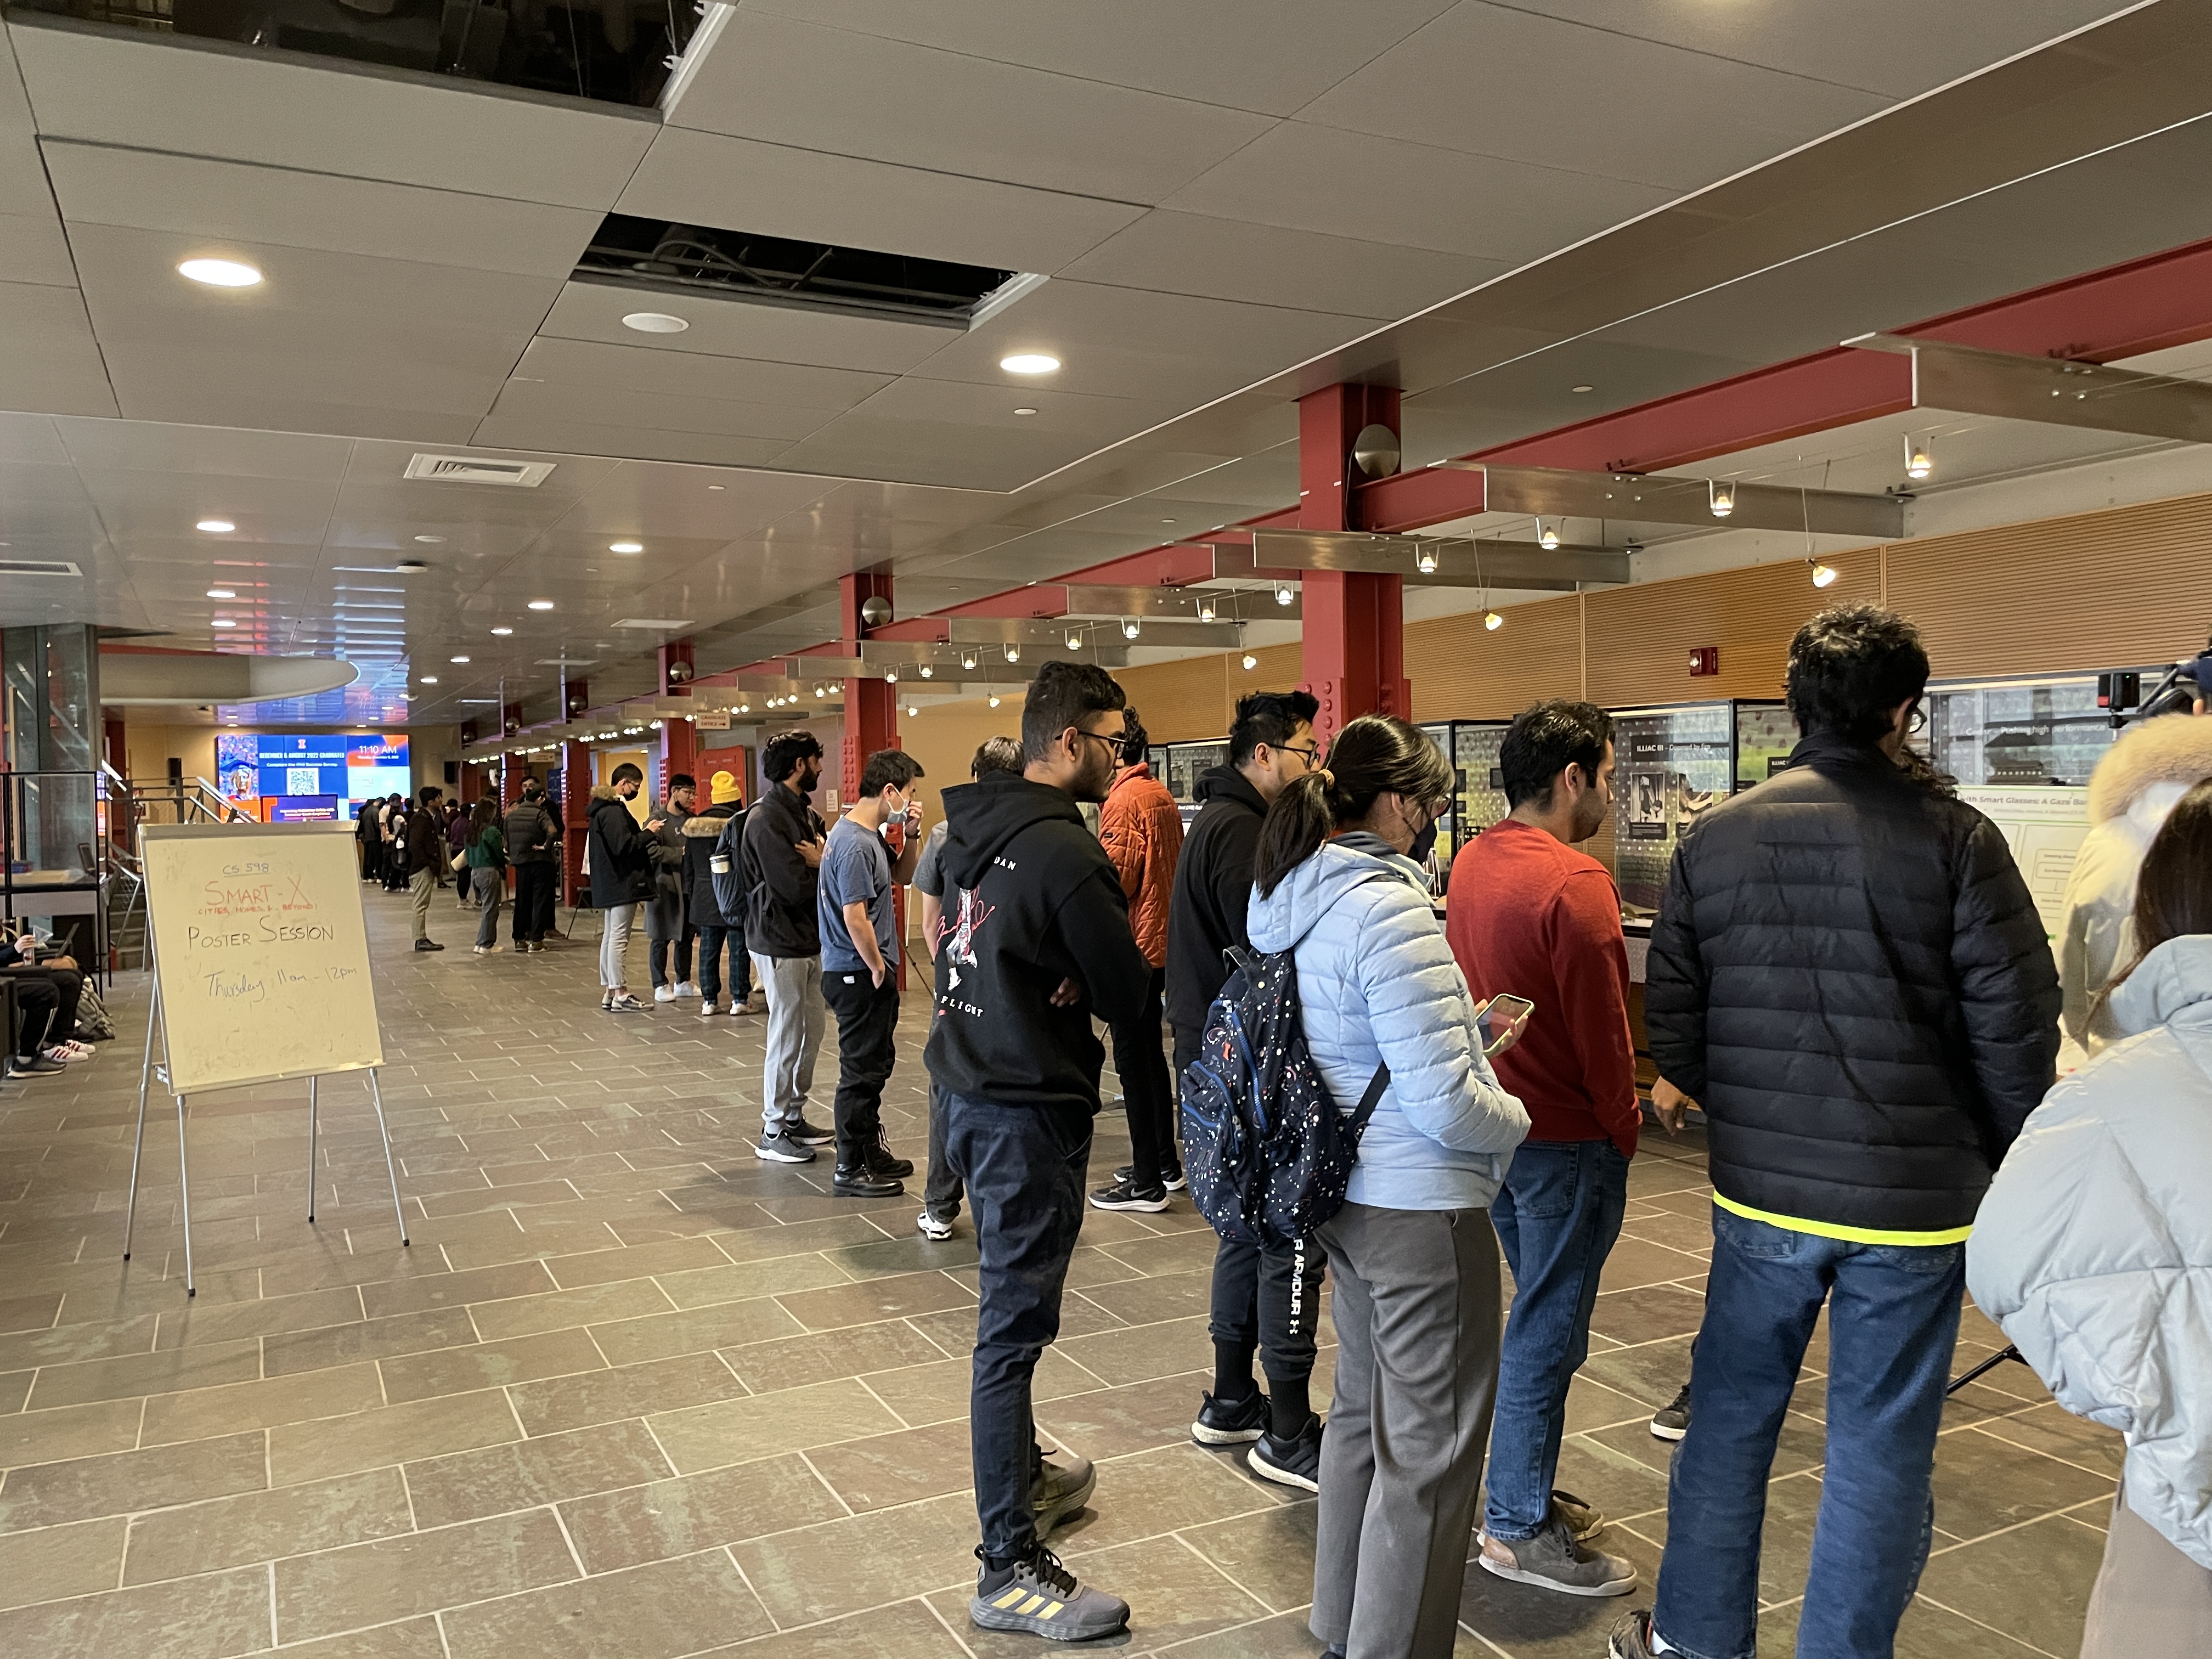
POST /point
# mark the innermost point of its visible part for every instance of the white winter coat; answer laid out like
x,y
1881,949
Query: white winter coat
x,y
2094,1248
1376,983
2134,788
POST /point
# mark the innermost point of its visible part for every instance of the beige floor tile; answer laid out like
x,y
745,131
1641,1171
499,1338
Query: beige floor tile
x,y
69,1432
389,1434
874,1300
695,1512
902,1630
717,1325
1268,1554
638,1261
899,1468
170,1417
232,1321
398,1577
622,1391
795,1361
938,1391
741,1280
49,1563
146,1373
261,1526
795,1419
525,1316
651,1611
81,1488
489,1364
189,1619
523,1474
106,1340
1164,1491
410,1638
841,1567
454,1290
774,1239
1144,1351
1114,1422
367,1338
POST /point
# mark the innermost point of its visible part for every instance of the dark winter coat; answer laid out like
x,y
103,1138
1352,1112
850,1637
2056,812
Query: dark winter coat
x,y
1848,974
533,838
780,887
704,832
620,852
1212,887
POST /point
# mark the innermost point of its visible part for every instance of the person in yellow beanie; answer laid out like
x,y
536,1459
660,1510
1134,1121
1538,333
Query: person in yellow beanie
x,y
712,896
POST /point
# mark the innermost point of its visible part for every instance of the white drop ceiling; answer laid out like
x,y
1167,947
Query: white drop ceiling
x,y
1233,200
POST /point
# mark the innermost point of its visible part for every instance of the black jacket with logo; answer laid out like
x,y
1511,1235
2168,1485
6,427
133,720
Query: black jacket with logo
x,y
779,884
1039,902
1848,974
1212,888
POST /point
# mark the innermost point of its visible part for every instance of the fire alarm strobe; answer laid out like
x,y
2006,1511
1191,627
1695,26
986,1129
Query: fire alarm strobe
x,y
1704,659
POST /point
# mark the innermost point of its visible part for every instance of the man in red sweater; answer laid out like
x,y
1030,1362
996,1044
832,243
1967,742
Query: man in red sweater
x,y
1530,916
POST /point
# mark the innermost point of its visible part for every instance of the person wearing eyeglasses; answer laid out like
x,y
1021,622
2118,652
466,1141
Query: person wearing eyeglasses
x,y
1849,975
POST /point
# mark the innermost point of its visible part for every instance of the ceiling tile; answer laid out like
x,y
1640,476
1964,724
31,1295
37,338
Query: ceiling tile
x,y
1387,190
775,190
830,89
143,446
554,436
214,201
738,328
651,414
202,98
1268,264
1560,94
675,374
33,249
49,363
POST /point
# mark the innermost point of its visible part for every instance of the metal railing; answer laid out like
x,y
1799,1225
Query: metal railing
x,y
193,800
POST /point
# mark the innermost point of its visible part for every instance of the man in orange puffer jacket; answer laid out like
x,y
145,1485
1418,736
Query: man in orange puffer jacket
x,y
1141,828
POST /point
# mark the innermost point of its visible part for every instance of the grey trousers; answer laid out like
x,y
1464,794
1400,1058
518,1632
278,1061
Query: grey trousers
x,y
1419,1316
796,1015
615,923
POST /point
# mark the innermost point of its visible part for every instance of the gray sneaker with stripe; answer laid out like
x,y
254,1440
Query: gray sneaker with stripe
x,y
1040,1596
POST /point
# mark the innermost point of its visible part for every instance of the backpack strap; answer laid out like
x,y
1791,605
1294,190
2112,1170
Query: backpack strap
x,y
1370,1100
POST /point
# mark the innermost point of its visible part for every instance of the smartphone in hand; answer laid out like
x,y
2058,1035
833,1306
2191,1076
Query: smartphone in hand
x,y
1501,1022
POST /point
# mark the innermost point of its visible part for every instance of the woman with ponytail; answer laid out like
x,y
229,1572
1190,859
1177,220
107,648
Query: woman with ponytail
x,y
1338,881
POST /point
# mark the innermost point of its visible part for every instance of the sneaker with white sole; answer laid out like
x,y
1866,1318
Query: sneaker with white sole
x,y
1173,1180
664,994
65,1054
624,1004
1672,1421
777,1145
685,991
1631,1638
1583,1519
707,1009
1039,1595
935,1228
1231,1422
1126,1196
1552,1560
1292,1462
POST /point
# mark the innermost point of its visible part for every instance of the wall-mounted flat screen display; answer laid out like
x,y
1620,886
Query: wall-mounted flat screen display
x,y
341,767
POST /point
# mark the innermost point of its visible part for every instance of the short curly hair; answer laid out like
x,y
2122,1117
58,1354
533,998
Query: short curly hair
x,y
1850,667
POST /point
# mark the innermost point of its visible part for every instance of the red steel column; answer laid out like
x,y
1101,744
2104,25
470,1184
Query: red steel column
x,y
575,804
679,739
1354,645
871,705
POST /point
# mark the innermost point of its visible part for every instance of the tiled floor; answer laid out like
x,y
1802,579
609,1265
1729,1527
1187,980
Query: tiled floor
x,y
633,1395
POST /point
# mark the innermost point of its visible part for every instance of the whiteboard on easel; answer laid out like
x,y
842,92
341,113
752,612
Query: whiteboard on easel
x,y
260,952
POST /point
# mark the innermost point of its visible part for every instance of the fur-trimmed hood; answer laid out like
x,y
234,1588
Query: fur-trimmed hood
x,y
2172,748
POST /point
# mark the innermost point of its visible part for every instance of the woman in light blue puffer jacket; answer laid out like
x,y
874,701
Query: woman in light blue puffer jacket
x,y
1412,1254
2093,1250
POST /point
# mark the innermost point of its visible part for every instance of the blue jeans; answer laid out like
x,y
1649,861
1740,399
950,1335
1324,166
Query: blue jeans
x,y
1024,1167
1557,1217
712,936
1893,1323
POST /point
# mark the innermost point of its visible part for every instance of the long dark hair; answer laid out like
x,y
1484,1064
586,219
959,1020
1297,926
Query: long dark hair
x,y
485,815
1374,755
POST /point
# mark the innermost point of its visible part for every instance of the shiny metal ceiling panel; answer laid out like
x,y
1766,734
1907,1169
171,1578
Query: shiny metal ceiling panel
x,y
1272,265
798,83
1069,416
1267,55
50,360
931,453
811,195
1900,47
206,97
588,363
93,446
1309,177
1585,101
523,401
209,201
157,507
734,328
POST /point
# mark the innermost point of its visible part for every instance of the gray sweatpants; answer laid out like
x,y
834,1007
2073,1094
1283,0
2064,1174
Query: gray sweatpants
x,y
1418,1313
615,924
796,1015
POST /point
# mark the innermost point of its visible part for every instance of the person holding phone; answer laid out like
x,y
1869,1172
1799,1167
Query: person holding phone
x,y
1535,926
859,922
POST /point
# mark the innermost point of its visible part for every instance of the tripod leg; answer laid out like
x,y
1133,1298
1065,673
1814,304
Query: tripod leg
x,y
376,1097
311,1151
185,1193
145,1077
1989,1365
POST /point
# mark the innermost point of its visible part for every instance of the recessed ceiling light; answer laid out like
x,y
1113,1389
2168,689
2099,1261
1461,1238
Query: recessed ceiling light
x,y
718,486
223,594
219,273
457,659
433,540
655,322
222,622
1582,388
430,679
625,546
216,526
1025,411
503,632
1028,362
541,605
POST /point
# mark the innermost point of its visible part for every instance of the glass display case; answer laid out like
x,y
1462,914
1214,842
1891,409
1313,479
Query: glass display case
x,y
1477,792
2035,733
1180,765
1672,762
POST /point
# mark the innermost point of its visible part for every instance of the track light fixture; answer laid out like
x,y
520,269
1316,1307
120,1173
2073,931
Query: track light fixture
x,y
1918,462
912,710
1131,628
890,677
1207,607
994,700
1823,575
1547,535
927,670
1424,560
1284,594
1720,495
1075,638
968,660
1492,621
1013,652
1251,662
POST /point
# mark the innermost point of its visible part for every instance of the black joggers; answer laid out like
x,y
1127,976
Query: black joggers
x,y
1148,1094
867,1018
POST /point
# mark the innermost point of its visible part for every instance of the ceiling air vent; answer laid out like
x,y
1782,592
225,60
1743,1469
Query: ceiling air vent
x,y
654,624
473,469
655,255
38,567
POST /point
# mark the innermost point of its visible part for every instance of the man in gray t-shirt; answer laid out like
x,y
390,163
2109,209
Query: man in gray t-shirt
x,y
858,922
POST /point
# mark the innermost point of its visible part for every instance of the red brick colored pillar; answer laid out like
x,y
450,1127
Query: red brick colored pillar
x,y
1354,645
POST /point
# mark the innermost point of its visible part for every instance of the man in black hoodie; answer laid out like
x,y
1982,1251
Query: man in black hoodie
x,y
1264,1301
780,859
1040,945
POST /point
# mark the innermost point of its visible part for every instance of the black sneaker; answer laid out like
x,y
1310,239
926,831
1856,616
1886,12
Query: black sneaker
x,y
1630,1637
1042,1597
779,1146
809,1134
883,1162
33,1065
1288,1462
1123,1196
1231,1422
1672,1422
860,1181
1173,1179
1059,1489
428,944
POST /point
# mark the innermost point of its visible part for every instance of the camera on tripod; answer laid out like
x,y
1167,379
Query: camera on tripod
x,y
2183,686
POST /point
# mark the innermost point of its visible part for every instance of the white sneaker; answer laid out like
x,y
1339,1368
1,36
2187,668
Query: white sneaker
x,y
664,994
485,950
65,1054
686,991
931,1227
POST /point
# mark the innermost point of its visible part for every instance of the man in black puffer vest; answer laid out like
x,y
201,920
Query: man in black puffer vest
x,y
1849,974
